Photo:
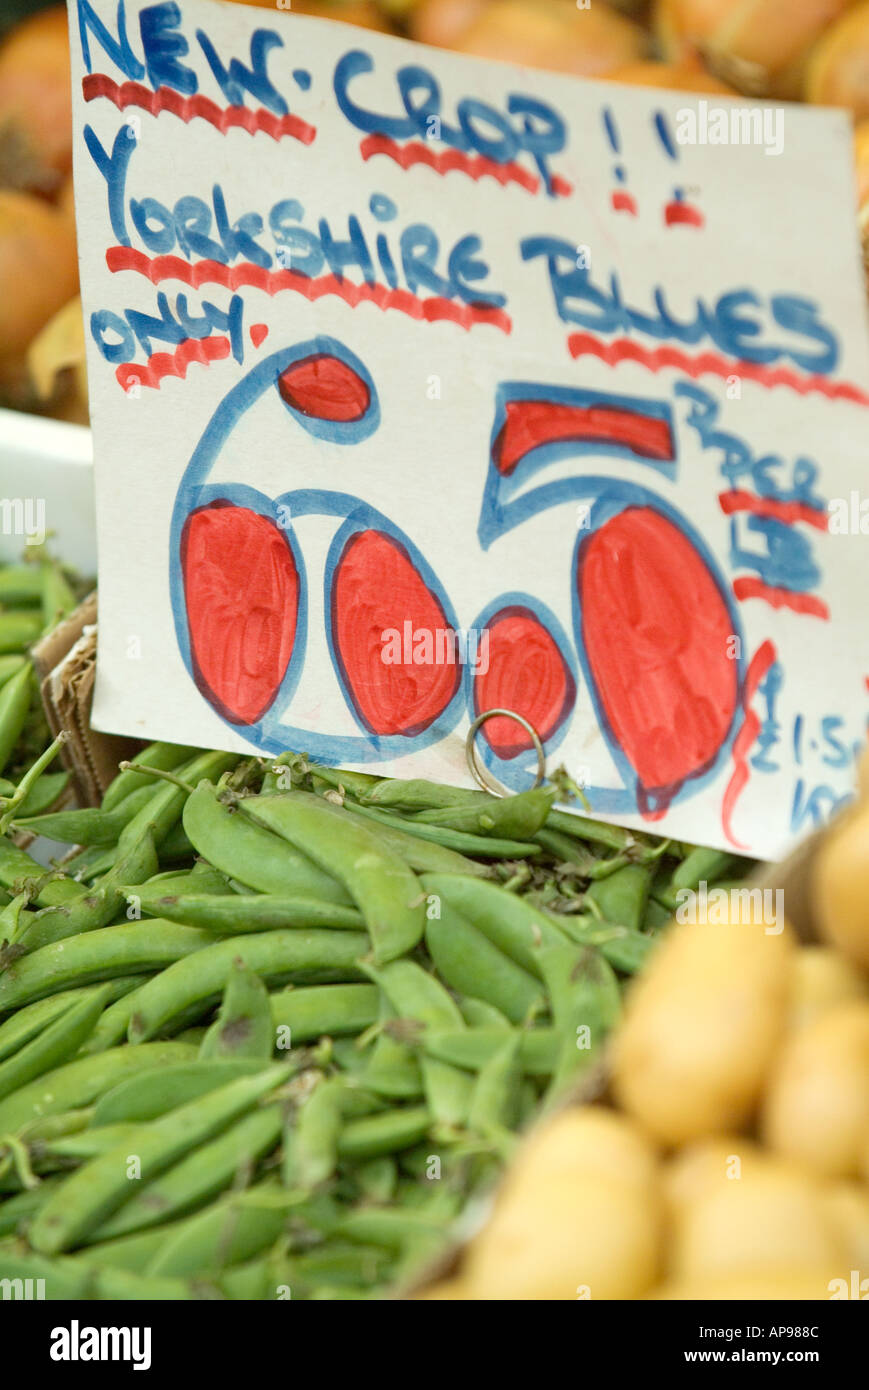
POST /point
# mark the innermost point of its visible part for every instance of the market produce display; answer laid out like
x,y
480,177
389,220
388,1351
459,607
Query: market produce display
x,y
273,1025
732,1161
797,51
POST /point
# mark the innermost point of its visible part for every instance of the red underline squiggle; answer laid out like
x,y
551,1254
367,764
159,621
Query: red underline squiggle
x,y
788,512
223,118
711,363
476,166
757,669
434,310
160,364
812,607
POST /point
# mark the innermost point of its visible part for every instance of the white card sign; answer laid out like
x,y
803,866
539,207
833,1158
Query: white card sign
x,y
422,386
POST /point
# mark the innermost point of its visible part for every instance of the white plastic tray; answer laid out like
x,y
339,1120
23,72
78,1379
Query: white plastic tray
x,y
50,462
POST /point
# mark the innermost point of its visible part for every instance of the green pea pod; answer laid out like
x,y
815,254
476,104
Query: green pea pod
x,y
384,889
228,1233
132,1253
176,845
511,817
97,907
422,854
20,584
243,1027
202,1174
586,1003
622,897
58,596
390,1227
235,914
301,1015
48,886
596,832
377,1178
18,631
62,1038
95,1191
478,1014
175,882
467,960
386,1133
356,783
392,1069
495,1098
417,996
276,956
86,1144
509,922
148,1094
19,1210
567,850
253,855
90,826
625,950
58,1280
164,757
701,865
80,1082
15,697
99,955
310,1154
457,841
27,1023
474,1048
162,812
416,794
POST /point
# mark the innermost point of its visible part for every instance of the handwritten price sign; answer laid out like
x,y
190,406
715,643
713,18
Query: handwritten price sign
x,y
422,386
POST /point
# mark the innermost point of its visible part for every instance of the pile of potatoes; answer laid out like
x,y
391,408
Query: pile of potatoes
x,y
730,1157
799,50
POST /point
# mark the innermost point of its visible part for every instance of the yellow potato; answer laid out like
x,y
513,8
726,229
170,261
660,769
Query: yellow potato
x,y
452,1290
822,977
773,1218
848,1205
783,1284
701,1168
567,1238
582,1144
701,1025
840,888
816,1106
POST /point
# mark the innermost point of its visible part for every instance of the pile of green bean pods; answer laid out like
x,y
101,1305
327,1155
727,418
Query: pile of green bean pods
x,y
33,597
270,1026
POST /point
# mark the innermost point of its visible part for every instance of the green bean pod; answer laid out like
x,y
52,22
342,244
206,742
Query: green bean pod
x,y
15,697
310,1154
315,1011
163,756
95,1191
458,841
384,889
148,1094
253,855
509,817
243,1027
467,960
422,853
253,912
199,1176
62,1038
275,955
386,1133
90,826
80,1082
98,955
